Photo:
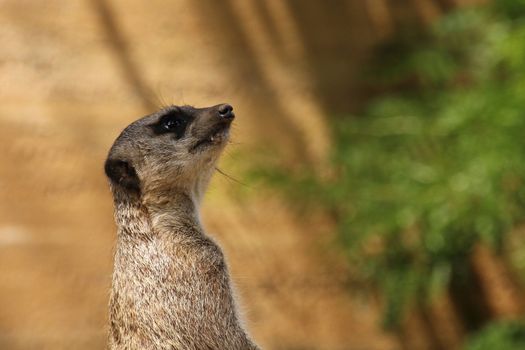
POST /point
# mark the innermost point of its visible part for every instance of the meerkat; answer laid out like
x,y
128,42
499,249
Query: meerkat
x,y
171,287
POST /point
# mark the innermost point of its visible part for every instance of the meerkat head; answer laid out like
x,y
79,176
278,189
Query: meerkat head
x,y
174,149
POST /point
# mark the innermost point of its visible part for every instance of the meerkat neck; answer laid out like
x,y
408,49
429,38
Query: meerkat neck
x,y
175,214
131,216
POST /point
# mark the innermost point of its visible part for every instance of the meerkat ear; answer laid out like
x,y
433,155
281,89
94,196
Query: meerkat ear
x,y
123,174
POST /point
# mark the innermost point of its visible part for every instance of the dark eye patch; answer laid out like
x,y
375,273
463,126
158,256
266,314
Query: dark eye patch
x,y
173,122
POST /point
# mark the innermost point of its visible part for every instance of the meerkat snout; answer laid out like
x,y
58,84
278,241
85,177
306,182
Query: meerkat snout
x,y
226,111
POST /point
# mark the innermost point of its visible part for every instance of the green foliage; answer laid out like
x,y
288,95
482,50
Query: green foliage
x,y
506,335
426,173
433,171
511,8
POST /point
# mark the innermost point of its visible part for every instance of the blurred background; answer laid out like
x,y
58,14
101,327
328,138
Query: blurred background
x,y
378,163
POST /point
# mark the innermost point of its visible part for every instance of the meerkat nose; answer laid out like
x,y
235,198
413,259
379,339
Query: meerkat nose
x,y
226,111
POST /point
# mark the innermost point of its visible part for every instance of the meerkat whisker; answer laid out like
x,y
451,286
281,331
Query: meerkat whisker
x,y
230,177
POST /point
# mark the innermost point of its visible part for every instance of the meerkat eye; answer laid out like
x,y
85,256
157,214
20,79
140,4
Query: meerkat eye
x,y
171,124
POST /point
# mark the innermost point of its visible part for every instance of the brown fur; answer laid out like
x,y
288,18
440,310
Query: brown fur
x,y
171,287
